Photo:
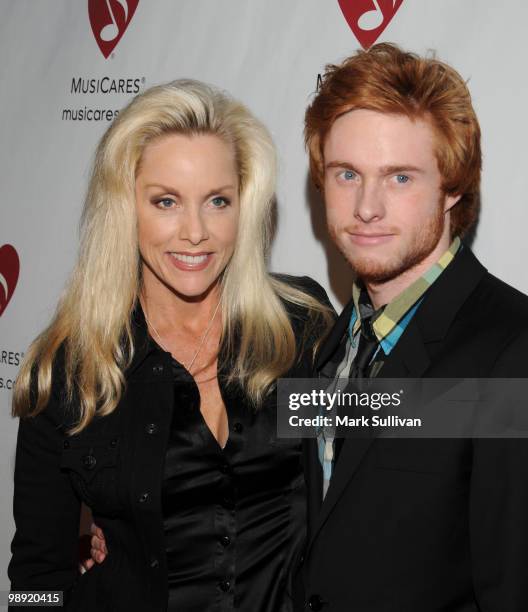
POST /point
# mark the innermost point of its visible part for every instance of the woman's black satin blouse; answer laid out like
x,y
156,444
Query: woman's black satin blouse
x,y
234,518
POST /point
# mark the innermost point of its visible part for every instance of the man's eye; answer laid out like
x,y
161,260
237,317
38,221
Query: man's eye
x,y
348,175
402,179
219,202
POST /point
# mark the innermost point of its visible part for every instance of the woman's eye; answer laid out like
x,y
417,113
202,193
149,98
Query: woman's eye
x,y
219,202
402,179
164,203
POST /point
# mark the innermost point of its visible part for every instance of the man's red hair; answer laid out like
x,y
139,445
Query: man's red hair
x,y
389,80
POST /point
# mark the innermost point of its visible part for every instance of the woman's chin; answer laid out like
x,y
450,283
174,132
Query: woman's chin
x,y
196,290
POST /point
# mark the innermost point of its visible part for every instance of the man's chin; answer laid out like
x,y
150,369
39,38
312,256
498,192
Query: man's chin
x,y
377,268
375,271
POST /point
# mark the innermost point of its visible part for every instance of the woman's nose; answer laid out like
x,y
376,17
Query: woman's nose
x,y
193,227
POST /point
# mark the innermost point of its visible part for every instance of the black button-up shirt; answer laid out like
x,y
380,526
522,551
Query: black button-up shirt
x,y
233,517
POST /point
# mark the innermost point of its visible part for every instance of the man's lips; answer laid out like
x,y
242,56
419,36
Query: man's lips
x,y
370,239
190,261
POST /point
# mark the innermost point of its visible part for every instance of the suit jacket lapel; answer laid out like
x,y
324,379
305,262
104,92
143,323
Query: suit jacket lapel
x,y
312,466
409,358
332,342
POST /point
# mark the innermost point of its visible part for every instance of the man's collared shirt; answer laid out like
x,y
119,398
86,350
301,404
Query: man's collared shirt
x,y
388,324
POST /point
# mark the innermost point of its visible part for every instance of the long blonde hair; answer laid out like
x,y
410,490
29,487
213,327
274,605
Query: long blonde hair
x,y
92,323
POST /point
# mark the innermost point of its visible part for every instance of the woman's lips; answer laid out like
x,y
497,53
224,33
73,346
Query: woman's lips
x,y
370,239
190,262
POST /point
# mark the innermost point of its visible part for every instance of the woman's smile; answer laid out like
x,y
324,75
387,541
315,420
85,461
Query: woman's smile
x,y
191,262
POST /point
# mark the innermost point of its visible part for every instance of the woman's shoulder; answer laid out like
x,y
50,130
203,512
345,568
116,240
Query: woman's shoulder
x,y
306,285
59,406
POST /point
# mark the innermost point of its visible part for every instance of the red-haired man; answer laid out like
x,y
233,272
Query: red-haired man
x,y
422,525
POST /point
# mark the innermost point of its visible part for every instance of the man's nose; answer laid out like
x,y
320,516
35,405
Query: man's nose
x,y
370,204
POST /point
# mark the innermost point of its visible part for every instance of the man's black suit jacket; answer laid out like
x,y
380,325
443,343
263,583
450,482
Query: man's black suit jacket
x,y
428,525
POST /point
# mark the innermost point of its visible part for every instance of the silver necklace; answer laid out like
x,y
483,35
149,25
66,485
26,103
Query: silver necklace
x,y
205,334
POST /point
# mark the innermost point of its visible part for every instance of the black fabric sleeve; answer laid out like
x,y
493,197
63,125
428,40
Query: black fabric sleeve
x,y
46,509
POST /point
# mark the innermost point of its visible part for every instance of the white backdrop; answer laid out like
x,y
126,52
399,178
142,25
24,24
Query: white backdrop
x,y
267,53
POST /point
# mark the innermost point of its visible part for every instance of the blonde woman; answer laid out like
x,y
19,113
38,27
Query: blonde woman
x,y
150,395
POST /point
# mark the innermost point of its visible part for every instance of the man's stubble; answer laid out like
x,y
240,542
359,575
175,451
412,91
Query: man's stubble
x,y
422,244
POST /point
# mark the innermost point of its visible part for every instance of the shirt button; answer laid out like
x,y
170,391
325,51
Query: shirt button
x,y
113,442
225,468
157,369
151,428
225,585
315,603
143,497
154,563
66,444
89,462
225,541
238,428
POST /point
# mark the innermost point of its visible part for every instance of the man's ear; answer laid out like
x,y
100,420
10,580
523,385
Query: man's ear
x,y
450,201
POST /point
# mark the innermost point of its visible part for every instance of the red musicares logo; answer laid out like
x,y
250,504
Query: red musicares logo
x,y
109,20
9,269
368,18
